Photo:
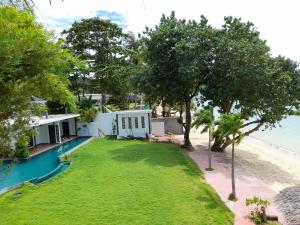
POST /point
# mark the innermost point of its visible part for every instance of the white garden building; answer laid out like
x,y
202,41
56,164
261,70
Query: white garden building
x,y
128,123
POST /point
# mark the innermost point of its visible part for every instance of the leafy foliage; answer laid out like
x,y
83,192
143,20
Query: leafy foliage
x,y
204,117
109,54
243,78
230,124
88,114
32,64
22,149
176,56
260,205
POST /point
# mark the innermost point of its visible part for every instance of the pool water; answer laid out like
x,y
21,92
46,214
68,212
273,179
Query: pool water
x,y
36,167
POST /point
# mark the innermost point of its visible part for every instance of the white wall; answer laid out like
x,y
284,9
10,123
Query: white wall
x,y
42,134
102,125
158,128
72,128
136,132
61,128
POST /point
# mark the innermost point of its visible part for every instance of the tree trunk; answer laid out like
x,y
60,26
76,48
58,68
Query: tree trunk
x,y
188,121
163,113
220,144
180,113
209,149
232,171
103,98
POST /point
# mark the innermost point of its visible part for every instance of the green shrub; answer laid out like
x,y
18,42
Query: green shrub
x,y
22,149
22,152
258,214
88,115
65,158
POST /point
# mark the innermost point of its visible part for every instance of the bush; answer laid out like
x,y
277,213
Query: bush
x,y
22,149
86,103
88,115
258,214
22,152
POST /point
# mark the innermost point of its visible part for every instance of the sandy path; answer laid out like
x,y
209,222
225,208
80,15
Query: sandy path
x,y
274,166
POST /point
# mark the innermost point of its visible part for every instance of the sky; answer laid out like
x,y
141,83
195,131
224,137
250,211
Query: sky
x,y
277,20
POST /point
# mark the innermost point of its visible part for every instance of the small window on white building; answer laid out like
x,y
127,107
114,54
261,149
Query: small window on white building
x,y
123,123
143,121
136,122
129,123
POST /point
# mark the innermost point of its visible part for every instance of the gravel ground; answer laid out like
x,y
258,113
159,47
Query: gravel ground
x,y
288,201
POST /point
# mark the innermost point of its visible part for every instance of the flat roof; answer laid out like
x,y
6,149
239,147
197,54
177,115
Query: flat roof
x,y
134,111
37,121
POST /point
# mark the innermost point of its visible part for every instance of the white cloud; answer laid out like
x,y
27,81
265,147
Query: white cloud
x,y
277,20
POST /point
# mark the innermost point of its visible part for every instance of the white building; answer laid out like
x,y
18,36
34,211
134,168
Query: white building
x,y
129,123
53,128
133,123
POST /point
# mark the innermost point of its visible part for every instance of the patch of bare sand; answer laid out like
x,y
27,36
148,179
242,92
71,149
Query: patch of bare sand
x,y
276,167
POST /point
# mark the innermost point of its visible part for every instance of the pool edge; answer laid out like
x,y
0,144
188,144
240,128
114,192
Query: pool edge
x,y
11,188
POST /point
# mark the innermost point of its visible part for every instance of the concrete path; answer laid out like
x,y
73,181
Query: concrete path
x,y
247,185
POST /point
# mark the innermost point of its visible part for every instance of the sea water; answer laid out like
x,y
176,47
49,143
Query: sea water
x,y
286,136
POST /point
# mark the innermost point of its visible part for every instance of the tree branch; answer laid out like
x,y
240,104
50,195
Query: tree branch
x,y
246,133
250,123
254,129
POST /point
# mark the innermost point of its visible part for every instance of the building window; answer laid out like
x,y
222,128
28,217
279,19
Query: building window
x,y
136,122
123,122
129,123
143,121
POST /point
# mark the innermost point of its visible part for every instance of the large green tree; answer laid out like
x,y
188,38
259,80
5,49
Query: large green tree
x,y
176,56
32,64
244,78
103,45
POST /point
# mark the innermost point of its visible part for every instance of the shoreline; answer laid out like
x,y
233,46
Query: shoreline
x,y
277,167
274,146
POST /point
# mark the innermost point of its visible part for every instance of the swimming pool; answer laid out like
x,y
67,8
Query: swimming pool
x,y
38,168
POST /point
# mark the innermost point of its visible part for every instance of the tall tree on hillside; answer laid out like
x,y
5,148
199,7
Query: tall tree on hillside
x,y
244,78
102,44
176,55
32,64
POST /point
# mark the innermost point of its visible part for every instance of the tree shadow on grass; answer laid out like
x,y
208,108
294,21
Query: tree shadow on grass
x,y
155,154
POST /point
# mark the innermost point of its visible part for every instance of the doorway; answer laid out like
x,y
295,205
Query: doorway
x,y
52,137
66,131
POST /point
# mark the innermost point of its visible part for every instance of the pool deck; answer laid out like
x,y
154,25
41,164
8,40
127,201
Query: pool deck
x,y
45,147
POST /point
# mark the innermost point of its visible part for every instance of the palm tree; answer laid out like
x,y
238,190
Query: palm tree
x,y
206,117
230,124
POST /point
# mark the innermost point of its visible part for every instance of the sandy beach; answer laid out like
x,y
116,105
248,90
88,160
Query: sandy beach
x,y
262,169
276,167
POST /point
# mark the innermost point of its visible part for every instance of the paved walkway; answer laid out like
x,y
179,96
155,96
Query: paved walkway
x,y
247,185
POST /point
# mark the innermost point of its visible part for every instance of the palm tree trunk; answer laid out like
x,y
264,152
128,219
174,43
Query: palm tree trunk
x,y
232,171
209,148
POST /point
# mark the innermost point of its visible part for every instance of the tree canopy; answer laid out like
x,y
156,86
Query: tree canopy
x,y
245,78
176,56
107,49
32,64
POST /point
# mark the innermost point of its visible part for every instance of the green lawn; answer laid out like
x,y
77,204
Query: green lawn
x,y
119,182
